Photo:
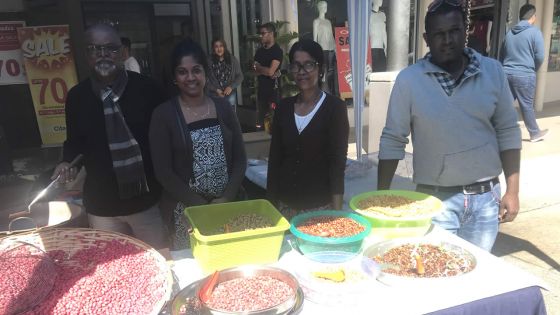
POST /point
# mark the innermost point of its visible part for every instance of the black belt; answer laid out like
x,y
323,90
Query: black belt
x,y
472,189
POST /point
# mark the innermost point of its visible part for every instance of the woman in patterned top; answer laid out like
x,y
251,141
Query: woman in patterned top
x,y
225,73
196,144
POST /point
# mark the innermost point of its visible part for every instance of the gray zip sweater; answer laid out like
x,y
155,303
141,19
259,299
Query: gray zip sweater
x,y
457,139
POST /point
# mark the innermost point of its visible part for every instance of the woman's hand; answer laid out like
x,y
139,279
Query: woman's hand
x,y
227,91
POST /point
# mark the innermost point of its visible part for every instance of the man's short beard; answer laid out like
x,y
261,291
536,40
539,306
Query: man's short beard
x,y
105,68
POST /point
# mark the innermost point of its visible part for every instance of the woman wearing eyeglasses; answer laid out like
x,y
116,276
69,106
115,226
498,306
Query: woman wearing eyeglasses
x,y
309,140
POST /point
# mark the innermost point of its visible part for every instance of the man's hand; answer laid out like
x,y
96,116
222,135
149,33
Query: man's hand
x,y
220,92
67,174
276,74
509,207
227,91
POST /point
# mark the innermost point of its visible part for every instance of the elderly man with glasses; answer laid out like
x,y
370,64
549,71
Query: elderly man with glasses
x,y
458,107
107,119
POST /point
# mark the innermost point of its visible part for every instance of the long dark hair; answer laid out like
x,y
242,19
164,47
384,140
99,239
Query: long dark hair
x,y
188,47
227,54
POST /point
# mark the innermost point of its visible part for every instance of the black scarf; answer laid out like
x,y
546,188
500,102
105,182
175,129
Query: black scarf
x,y
125,151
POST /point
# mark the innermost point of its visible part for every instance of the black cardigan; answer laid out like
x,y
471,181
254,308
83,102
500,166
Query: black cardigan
x,y
305,170
85,130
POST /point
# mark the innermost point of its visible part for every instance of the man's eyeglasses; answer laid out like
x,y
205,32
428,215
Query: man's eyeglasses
x,y
97,50
308,66
264,33
438,3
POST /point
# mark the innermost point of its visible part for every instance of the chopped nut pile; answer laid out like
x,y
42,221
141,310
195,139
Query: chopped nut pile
x,y
396,206
331,226
245,222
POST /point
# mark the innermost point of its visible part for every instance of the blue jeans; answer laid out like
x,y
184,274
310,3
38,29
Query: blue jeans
x,y
523,90
472,217
232,99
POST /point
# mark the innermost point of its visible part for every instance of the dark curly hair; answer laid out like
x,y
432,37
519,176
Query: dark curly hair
x,y
185,48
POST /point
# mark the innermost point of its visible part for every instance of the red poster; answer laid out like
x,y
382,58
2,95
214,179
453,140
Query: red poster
x,y
11,61
342,36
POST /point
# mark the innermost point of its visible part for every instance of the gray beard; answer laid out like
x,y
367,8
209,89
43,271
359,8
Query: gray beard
x,y
105,69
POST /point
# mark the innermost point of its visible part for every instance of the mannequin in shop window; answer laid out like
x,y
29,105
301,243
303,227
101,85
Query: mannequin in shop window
x,y
323,34
378,37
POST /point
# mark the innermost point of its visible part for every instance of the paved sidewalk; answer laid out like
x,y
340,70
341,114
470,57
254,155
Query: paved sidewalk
x,y
532,241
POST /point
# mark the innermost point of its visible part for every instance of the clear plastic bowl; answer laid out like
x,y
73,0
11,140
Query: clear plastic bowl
x,y
360,277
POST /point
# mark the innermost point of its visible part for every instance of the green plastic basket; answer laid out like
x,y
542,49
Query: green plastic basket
x,y
395,227
221,251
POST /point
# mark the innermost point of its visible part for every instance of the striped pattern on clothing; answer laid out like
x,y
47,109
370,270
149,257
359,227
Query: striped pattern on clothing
x,y
125,151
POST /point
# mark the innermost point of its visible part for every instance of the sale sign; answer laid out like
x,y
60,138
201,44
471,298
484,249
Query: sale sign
x,y
51,73
11,62
343,63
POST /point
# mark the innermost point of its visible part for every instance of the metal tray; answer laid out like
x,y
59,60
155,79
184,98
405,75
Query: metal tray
x,y
394,280
190,292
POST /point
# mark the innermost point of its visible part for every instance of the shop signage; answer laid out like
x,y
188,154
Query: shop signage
x,y
11,62
342,39
51,73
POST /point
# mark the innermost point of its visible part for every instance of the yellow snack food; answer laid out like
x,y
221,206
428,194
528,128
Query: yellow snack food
x,y
336,276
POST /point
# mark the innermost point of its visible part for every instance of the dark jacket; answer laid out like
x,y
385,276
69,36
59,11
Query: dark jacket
x,y
522,50
305,170
85,129
173,159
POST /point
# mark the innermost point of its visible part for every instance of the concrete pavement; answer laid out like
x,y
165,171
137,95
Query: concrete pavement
x,y
532,241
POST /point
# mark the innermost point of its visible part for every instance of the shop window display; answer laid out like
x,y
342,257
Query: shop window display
x,y
323,34
333,13
554,54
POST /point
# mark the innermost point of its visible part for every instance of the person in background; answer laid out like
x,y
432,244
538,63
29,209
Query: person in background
x,y
457,105
268,59
224,74
130,63
197,146
309,142
107,120
522,55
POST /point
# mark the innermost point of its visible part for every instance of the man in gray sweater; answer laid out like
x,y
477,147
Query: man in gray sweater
x,y
522,54
458,108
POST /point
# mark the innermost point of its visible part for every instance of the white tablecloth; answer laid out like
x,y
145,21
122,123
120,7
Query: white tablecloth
x,y
491,277
358,178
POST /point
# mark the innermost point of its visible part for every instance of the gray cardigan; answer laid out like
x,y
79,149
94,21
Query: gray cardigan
x,y
457,139
234,81
173,161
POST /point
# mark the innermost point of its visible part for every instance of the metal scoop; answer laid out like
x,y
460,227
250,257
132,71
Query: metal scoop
x,y
43,192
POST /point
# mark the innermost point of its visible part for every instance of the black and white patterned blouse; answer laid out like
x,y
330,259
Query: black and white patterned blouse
x,y
222,72
210,174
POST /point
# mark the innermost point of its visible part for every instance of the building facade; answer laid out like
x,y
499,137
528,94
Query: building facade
x,y
154,26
